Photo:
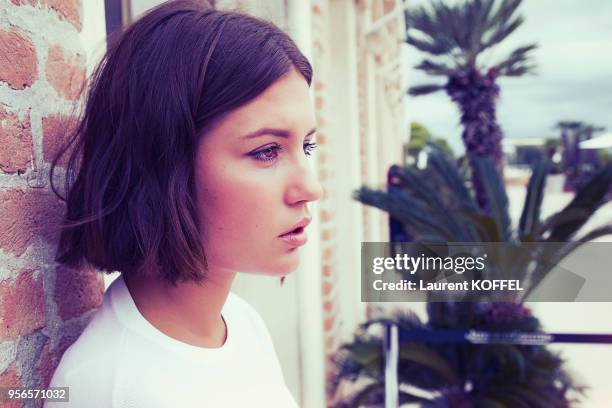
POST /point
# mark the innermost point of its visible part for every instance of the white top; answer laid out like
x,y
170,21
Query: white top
x,y
122,361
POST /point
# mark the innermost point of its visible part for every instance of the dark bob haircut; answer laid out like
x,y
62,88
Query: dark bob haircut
x,y
130,193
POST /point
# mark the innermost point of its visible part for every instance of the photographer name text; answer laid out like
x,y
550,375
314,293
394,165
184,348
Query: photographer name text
x,y
474,285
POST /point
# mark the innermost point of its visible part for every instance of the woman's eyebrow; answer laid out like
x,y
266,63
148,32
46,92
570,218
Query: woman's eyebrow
x,y
274,132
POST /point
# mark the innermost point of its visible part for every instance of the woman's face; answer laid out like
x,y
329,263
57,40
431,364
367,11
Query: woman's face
x,y
254,181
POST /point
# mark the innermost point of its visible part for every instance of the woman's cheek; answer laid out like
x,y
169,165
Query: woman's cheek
x,y
245,202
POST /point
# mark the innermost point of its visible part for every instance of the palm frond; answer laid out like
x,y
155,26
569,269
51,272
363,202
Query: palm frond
x,y
424,89
453,178
501,32
428,45
425,357
555,255
517,63
586,201
440,197
407,210
496,192
426,23
533,201
519,70
464,30
434,68
503,13
596,233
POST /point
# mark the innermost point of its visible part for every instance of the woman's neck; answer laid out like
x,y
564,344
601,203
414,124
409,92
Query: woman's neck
x,y
188,312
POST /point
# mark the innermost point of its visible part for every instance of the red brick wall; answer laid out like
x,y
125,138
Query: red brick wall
x,y
43,307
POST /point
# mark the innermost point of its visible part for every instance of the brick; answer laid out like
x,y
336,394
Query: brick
x,y
26,215
47,363
22,305
9,378
327,234
325,215
327,288
319,103
18,62
65,72
328,253
388,6
330,342
68,10
328,270
376,10
56,132
328,323
321,138
16,146
77,291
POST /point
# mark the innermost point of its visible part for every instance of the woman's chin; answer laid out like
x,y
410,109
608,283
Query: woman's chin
x,y
287,264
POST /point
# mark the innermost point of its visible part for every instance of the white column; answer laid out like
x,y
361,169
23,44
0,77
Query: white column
x,y
345,128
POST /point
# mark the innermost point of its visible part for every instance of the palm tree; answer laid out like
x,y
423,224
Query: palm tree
x,y
456,36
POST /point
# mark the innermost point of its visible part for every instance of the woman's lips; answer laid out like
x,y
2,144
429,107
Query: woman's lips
x,y
296,237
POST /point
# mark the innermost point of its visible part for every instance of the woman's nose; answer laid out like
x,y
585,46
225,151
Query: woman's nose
x,y
304,185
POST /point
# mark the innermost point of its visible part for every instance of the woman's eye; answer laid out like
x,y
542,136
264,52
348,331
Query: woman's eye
x,y
309,148
267,154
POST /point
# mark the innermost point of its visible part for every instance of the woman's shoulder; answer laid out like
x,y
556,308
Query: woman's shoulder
x,y
88,365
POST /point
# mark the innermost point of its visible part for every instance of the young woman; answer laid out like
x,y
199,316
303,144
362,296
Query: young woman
x,y
190,166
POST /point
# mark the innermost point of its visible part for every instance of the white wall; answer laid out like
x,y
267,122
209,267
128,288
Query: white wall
x,y
93,35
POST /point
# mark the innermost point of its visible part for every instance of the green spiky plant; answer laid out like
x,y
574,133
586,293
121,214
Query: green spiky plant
x,y
436,204
456,37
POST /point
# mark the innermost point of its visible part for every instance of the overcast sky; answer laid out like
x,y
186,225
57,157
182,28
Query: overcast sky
x,y
573,80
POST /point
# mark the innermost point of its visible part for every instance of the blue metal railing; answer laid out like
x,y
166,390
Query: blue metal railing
x,y
394,336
